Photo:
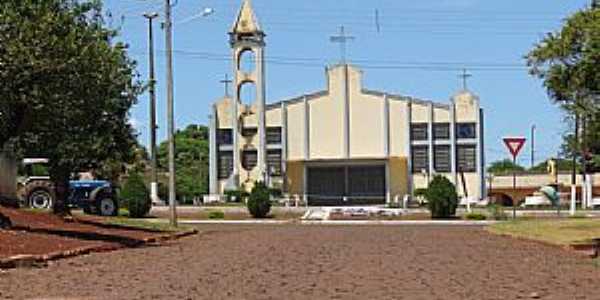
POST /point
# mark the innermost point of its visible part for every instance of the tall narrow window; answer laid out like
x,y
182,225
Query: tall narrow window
x,y
274,135
441,131
466,158
224,136
274,162
225,164
441,158
249,159
420,158
418,132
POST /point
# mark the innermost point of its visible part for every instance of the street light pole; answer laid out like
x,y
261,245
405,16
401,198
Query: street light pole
x,y
152,92
170,111
533,128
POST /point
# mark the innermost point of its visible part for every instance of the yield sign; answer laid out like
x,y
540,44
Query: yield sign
x,y
514,144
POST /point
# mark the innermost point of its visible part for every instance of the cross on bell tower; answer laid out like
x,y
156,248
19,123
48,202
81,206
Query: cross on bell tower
x,y
245,36
465,77
343,40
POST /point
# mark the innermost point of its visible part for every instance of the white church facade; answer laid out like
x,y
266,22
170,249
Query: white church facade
x,y
345,144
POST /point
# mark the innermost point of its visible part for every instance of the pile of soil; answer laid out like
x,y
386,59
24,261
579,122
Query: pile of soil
x,y
41,233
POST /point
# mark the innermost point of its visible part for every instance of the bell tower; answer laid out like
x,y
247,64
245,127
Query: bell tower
x,y
248,48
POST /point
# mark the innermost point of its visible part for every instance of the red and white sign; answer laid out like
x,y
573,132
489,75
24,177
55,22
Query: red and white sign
x,y
514,144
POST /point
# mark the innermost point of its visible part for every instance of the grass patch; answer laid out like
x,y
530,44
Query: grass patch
x,y
559,232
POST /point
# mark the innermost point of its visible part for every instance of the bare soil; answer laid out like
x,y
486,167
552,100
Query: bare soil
x,y
39,233
316,262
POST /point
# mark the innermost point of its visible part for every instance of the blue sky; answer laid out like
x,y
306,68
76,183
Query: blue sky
x,y
419,50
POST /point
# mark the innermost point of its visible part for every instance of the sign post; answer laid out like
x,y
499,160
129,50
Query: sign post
x,y
514,145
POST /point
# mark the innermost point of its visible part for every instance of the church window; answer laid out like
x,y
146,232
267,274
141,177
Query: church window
x,y
418,132
441,158
466,131
225,136
274,135
274,162
466,157
249,159
225,164
420,158
441,131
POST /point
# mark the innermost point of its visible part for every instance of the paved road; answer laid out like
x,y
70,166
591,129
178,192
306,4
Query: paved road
x,y
318,262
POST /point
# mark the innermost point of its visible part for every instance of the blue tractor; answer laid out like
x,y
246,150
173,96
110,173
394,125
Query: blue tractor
x,y
37,191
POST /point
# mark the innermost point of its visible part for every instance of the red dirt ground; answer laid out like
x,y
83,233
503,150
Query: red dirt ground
x,y
43,233
319,262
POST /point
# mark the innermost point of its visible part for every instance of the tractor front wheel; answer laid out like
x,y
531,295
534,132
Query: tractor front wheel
x,y
107,207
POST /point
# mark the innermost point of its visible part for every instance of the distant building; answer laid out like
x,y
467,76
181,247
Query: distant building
x,y
342,145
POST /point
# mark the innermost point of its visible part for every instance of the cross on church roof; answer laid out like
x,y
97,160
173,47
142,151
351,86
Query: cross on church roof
x,y
226,82
342,39
465,76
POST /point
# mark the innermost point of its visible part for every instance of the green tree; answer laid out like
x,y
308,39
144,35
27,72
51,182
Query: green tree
x,y
504,166
561,165
568,62
66,87
442,198
191,161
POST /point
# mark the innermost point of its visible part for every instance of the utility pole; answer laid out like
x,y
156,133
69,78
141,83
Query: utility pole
x,y
533,128
152,92
170,111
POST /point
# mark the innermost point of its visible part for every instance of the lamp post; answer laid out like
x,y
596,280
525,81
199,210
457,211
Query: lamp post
x,y
168,26
152,92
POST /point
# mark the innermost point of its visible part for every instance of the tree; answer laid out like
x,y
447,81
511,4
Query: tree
x,y
66,88
568,62
561,165
191,161
504,166
442,198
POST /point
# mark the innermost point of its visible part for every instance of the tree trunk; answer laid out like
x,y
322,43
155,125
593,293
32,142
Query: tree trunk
x,y
61,189
4,222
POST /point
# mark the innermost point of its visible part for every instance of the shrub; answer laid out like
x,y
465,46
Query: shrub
x,y
497,212
135,196
259,202
216,215
441,197
475,217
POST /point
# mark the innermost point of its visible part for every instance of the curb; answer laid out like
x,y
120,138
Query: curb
x,y
26,260
338,222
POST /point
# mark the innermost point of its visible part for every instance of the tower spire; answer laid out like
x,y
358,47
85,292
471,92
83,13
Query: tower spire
x,y
246,21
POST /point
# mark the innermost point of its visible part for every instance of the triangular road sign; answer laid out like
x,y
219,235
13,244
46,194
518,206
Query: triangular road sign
x,y
514,144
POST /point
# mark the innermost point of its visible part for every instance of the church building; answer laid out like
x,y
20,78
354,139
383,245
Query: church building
x,y
342,145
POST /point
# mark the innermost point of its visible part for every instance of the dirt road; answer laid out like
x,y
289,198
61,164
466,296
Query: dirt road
x,y
313,262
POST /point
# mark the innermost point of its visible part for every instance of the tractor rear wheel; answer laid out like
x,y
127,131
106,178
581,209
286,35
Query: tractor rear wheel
x,y
40,194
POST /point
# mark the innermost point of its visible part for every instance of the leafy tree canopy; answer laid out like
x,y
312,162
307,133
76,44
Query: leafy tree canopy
x,y
504,166
191,161
66,88
568,62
